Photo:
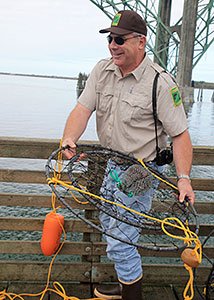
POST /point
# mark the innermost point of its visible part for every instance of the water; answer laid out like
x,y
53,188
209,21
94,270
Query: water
x,y
38,108
201,123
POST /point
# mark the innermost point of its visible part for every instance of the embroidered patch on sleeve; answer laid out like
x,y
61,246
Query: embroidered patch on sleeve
x,y
116,20
176,96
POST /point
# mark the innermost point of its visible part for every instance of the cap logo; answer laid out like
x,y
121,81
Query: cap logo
x,y
116,20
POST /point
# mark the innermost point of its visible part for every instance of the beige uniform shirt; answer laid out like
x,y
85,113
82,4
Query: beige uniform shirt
x,y
123,107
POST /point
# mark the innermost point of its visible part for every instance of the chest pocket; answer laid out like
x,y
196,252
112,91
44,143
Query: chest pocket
x,y
104,97
134,107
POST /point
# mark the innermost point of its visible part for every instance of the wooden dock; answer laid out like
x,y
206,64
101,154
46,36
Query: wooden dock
x,y
23,267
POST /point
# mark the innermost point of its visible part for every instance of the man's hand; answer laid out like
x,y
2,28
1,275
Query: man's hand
x,y
185,190
74,127
71,148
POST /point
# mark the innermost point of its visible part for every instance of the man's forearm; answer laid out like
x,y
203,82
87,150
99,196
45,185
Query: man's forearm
x,y
182,153
76,123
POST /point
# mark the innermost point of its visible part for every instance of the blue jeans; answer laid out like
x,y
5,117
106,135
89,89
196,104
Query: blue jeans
x,y
127,260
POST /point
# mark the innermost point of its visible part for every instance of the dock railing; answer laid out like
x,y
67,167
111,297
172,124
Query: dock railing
x,y
25,199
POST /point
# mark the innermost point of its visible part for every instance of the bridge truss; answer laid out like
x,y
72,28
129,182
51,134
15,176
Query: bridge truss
x,y
163,39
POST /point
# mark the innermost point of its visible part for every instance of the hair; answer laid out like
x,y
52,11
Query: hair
x,y
139,34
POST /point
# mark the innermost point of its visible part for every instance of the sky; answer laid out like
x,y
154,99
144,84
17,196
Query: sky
x,y
61,37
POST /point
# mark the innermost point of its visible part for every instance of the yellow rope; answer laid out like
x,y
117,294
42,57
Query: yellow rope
x,y
189,238
77,200
205,289
58,288
156,176
189,285
164,222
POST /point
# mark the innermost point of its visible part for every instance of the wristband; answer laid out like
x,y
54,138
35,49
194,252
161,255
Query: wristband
x,y
183,176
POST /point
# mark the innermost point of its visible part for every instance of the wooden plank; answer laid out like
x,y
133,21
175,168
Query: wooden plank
x,y
198,184
38,271
38,177
33,200
101,272
204,207
203,155
204,230
72,289
22,176
153,273
83,248
84,290
73,225
42,148
201,207
29,289
27,148
36,224
33,247
30,147
25,200
148,291
203,184
100,249
157,292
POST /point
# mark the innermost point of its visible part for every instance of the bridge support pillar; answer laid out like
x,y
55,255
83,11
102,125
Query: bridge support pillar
x,y
188,28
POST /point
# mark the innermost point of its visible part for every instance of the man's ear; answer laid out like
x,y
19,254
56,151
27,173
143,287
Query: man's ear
x,y
142,44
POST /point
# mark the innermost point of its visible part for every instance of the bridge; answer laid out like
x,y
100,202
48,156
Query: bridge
x,y
179,47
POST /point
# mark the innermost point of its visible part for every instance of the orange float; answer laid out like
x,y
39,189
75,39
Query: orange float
x,y
51,234
190,257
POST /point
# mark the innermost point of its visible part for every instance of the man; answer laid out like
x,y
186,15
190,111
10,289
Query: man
x,y
119,89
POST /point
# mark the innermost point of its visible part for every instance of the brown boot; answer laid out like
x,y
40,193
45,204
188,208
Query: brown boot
x,y
132,291
109,293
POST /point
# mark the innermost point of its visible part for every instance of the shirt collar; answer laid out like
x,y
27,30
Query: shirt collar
x,y
137,73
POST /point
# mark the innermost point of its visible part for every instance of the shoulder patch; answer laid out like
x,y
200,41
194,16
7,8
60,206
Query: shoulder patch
x,y
176,96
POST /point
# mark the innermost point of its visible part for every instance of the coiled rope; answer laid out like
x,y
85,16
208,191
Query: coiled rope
x,y
190,238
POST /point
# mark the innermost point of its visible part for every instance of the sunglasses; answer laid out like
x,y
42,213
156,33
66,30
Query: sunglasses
x,y
119,40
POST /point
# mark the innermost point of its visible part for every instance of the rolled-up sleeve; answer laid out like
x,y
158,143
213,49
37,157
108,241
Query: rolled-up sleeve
x,y
88,96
